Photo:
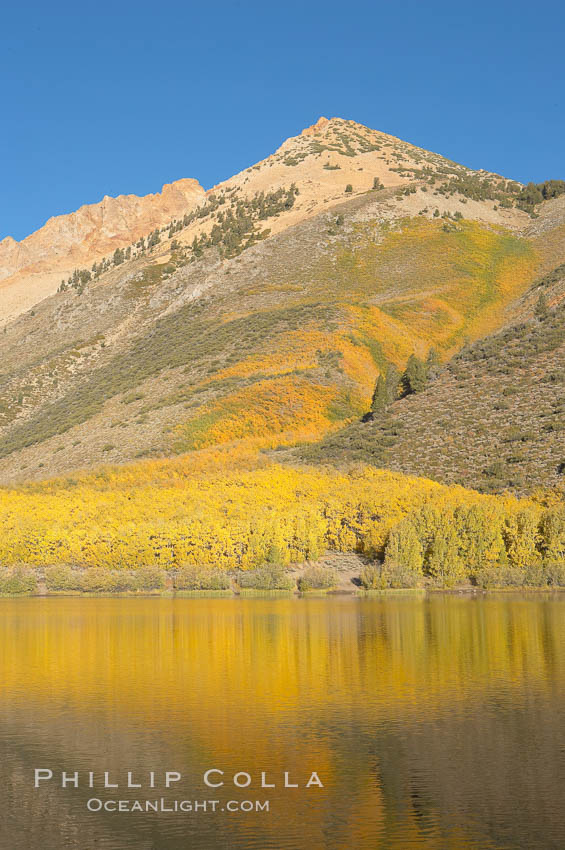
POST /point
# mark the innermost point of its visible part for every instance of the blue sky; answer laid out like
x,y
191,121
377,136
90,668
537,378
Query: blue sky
x,y
122,97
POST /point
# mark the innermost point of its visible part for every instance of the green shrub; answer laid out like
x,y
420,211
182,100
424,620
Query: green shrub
x,y
388,575
397,575
17,581
317,578
99,580
499,575
349,189
554,572
62,577
149,578
371,577
268,577
200,578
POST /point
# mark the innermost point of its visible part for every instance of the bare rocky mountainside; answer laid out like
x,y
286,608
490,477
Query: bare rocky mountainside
x,y
262,312
32,269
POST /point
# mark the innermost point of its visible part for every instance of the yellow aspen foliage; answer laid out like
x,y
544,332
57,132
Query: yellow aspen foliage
x,y
205,515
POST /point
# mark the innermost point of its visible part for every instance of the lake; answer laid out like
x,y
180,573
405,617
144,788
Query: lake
x,y
431,722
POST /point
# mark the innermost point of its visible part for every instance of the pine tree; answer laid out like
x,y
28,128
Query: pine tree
x,y
379,400
392,383
415,376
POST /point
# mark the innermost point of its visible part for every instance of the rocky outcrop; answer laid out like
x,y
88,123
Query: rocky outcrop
x,y
320,124
32,269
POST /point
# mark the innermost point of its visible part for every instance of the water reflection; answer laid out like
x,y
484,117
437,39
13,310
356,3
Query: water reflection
x,y
432,722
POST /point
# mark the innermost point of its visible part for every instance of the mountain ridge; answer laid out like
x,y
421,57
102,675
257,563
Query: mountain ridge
x,y
324,161
32,268
263,317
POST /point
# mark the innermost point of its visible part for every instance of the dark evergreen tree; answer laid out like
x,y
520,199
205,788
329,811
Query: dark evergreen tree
x,y
415,376
392,383
379,400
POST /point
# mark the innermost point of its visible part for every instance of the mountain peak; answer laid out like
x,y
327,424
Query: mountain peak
x,y
316,128
329,162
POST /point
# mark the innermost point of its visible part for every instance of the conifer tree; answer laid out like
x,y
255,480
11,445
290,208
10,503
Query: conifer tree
x,y
392,383
415,376
379,400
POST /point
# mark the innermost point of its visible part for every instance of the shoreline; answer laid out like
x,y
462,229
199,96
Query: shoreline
x,y
467,592
332,574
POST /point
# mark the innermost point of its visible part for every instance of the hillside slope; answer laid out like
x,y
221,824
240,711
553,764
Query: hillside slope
x,y
262,318
493,418
277,345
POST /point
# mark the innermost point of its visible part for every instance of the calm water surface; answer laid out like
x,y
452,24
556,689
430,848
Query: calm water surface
x,y
433,723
